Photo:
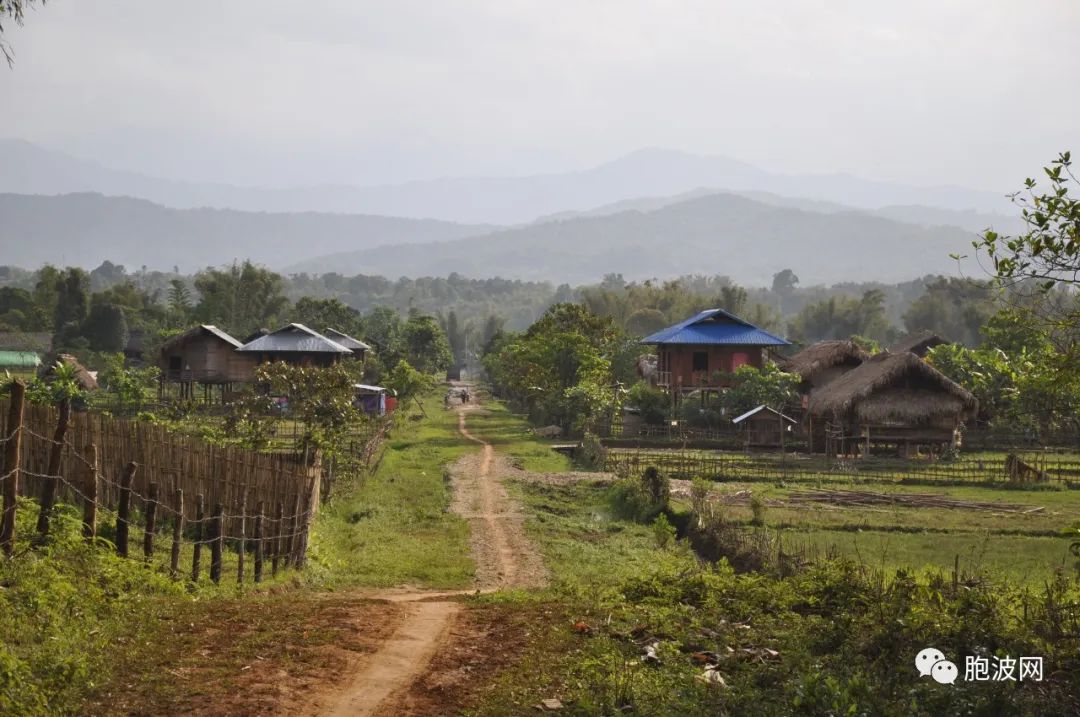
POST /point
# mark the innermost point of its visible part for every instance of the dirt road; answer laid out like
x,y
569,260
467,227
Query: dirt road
x,y
505,559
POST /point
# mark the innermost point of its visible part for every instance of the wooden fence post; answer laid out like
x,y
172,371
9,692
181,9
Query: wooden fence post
x,y
90,493
12,456
242,543
276,541
123,509
216,539
177,532
200,531
56,453
151,519
290,538
259,542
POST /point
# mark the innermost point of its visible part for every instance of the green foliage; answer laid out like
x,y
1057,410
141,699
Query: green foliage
x,y
321,400
757,508
408,382
752,387
61,385
240,298
561,370
424,344
656,486
652,403
841,316
106,328
663,531
955,308
322,314
127,389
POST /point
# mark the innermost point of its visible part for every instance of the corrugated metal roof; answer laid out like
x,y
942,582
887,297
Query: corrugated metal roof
x,y
759,409
294,338
345,340
715,326
19,359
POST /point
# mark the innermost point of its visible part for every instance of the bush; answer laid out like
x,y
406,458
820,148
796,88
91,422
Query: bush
x,y
663,531
656,486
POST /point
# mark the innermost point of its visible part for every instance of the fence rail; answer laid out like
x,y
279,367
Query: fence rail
x,y
741,467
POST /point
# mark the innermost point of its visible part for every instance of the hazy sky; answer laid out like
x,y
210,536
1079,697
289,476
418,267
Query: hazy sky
x,y
973,92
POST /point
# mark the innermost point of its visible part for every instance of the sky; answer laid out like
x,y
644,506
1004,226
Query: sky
x,y
274,93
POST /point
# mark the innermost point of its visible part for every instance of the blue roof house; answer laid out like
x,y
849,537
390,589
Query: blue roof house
x,y
701,352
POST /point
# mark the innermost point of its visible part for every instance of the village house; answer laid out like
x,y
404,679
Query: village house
x,y
359,348
822,362
295,344
699,354
890,399
207,356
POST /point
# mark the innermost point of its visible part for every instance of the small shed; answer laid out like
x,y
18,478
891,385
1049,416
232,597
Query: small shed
x,y
298,345
86,379
204,354
765,427
918,343
359,348
372,400
892,399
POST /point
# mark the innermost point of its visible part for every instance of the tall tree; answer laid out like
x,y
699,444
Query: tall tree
x,y
240,298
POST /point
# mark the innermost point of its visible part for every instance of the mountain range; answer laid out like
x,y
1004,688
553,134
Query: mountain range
x,y
29,169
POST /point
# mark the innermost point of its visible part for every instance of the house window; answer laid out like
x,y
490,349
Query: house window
x,y
701,361
739,358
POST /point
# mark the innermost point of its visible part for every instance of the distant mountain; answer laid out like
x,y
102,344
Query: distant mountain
x,y
714,234
28,169
85,229
911,214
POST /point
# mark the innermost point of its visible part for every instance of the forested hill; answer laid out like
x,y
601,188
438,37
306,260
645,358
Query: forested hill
x,y
84,229
719,233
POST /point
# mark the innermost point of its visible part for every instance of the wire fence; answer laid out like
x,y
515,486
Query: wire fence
x,y
260,504
716,465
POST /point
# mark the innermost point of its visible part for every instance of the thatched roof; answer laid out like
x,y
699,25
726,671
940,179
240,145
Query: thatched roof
x,y
86,379
916,391
918,343
823,355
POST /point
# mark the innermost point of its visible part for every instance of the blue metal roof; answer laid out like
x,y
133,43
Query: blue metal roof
x,y
716,327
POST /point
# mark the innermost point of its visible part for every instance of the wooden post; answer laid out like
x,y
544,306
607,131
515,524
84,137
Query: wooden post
x,y
177,532
309,514
56,453
216,539
12,455
151,520
90,493
276,541
242,543
259,542
123,509
200,531
290,537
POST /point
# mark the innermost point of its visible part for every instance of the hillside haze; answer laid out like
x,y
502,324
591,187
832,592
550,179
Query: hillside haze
x,y
714,234
29,169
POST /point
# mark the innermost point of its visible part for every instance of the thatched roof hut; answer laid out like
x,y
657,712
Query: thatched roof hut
x,y
894,389
918,343
815,361
86,379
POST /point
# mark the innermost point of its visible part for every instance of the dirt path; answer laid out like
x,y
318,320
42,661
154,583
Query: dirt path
x,y
505,559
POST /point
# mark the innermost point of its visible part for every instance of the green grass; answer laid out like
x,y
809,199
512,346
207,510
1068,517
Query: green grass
x,y
510,435
395,528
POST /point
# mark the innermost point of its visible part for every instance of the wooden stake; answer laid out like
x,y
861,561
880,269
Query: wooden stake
x,y
200,531
12,455
259,542
123,509
216,540
56,453
90,491
177,532
242,544
290,538
276,541
151,520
